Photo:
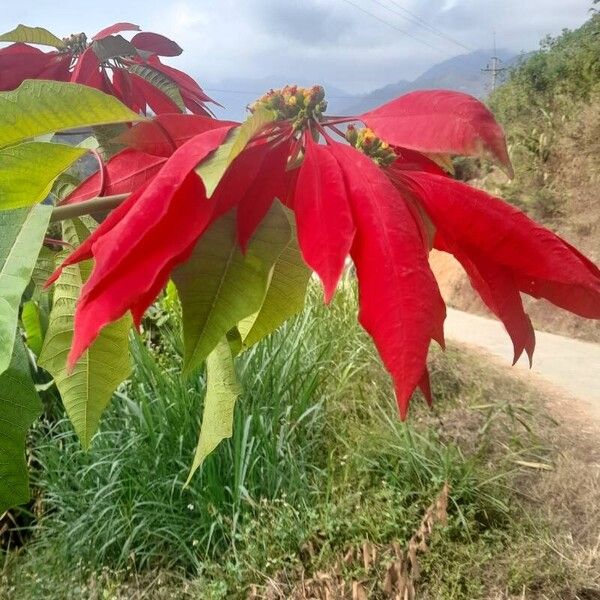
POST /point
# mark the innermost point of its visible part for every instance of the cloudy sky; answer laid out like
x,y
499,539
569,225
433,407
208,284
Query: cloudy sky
x,y
356,45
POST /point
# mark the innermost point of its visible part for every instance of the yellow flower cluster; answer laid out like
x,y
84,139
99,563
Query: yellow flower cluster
x,y
365,141
294,103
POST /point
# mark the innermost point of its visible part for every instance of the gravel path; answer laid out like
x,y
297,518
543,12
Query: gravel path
x,y
572,365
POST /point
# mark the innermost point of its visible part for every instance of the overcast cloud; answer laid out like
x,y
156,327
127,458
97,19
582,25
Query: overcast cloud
x,y
331,41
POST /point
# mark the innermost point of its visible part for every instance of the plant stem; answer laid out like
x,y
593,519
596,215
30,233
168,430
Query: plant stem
x,y
87,207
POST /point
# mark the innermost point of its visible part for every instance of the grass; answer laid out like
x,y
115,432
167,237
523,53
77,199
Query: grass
x,y
318,463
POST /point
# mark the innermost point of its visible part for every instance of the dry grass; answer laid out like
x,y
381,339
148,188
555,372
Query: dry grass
x,y
552,550
383,571
549,549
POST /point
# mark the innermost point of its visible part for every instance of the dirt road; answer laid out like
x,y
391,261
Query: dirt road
x,y
572,365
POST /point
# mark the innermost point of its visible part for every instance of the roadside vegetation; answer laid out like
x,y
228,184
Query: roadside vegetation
x,y
547,103
320,488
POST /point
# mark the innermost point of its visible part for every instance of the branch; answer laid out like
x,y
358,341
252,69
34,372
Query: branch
x,y
87,207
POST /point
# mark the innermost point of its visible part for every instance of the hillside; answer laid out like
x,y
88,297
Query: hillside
x,y
461,73
550,108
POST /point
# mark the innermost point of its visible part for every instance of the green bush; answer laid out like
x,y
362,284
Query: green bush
x,y
318,456
564,71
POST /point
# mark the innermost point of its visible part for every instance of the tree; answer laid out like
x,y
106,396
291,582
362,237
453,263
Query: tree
x,y
238,216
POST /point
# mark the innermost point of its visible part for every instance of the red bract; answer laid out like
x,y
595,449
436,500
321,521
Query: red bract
x,y
20,61
325,225
87,71
116,28
132,71
267,184
400,304
192,94
540,263
383,205
156,44
123,173
439,122
164,134
135,250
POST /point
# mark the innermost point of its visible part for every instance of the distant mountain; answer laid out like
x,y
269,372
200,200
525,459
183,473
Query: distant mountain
x,y
461,73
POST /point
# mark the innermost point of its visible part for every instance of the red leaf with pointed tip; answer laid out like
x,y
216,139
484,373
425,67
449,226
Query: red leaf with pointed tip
x,y
238,178
197,108
410,160
156,43
123,173
269,183
126,92
291,179
116,28
165,133
400,304
19,62
87,70
324,221
183,80
84,250
140,306
158,101
105,298
132,251
425,387
499,291
57,68
439,122
541,263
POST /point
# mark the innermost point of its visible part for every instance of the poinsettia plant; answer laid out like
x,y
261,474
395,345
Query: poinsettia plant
x,y
236,218
131,70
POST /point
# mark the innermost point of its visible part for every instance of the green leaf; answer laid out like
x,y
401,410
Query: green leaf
x,y
32,35
160,81
222,391
107,139
87,390
91,142
285,295
63,185
219,286
44,267
32,324
113,46
171,297
235,341
37,107
19,407
28,171
212,169
21,235
250,127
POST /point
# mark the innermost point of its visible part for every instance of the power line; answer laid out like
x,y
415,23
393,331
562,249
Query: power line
x,y
417,20
258,94
494,66
403,31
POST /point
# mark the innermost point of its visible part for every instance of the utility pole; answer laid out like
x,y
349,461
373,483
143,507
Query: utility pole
x,y
494,66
